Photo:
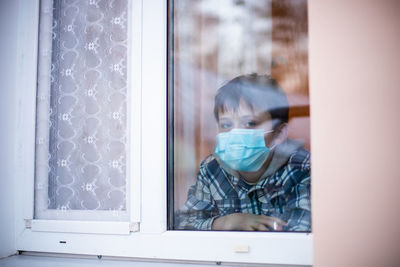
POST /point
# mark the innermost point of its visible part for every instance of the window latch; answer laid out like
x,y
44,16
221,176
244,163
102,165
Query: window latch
x,y
28,223
134,227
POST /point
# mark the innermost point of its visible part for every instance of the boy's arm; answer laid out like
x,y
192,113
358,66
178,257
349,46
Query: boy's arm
x,y
247,222
199,210
299,207
299,199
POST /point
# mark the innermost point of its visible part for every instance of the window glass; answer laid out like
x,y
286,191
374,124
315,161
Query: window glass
x,y
81,133
239,144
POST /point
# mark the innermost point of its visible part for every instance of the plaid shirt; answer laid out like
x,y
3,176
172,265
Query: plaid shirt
x,y
284,194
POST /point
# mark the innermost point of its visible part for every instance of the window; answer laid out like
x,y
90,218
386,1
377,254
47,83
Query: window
x,y
85,111
145,233
239,65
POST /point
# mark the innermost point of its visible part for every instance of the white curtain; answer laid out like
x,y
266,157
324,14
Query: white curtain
x,y
81,135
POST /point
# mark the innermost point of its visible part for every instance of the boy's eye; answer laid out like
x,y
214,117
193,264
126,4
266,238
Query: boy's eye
x,y
225,125
251,124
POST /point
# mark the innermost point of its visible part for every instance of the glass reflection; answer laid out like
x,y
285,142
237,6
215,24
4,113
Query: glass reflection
x,y
216,185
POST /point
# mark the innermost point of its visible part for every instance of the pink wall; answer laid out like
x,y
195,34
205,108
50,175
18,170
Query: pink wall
x,y
355,129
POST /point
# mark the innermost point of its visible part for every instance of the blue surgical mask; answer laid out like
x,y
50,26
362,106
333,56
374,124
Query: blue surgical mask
x,y
242,149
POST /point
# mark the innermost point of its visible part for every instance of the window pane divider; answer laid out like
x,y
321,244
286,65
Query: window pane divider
x,y
134,170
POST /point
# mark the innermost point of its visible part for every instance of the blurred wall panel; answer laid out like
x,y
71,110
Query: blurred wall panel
x,y
289,64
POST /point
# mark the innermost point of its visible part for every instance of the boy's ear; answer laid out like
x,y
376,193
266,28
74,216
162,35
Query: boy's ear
x,y
281,133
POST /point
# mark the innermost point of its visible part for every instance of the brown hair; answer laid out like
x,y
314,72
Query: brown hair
x,y
258,91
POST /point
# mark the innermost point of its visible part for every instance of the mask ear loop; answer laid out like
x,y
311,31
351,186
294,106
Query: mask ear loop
x,y
270,131
267,132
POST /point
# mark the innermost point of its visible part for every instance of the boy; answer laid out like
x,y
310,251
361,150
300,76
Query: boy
x,y
257,179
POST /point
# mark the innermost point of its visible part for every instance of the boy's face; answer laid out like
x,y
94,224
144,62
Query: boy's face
x,y
246,118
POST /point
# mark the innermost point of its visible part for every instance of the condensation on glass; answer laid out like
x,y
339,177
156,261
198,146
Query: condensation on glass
x,y
81,122
212,42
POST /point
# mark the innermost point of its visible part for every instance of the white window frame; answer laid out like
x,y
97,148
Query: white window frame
x,y
28,46
148,79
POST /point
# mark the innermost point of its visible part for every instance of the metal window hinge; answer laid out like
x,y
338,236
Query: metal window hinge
x,y
28,223
134,227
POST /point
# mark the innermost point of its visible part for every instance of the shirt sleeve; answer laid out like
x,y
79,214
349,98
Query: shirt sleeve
x,y
299,197
199,210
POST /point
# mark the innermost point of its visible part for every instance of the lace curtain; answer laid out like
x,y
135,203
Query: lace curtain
x,y
81,134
